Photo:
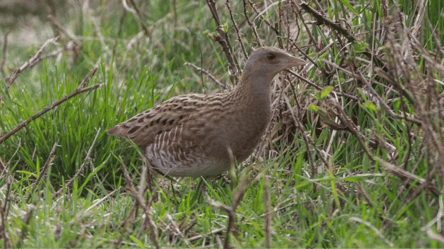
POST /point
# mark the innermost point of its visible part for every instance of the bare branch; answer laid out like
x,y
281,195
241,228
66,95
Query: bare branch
x,y
148,220
236,28
223,40
78,91
4,214
27,64
319,87
252,26
395,170
4,55
267,213
384,105
322,20
207,74
140,18
63,30
43,171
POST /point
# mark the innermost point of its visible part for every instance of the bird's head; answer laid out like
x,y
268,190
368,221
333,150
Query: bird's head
x,y
269,61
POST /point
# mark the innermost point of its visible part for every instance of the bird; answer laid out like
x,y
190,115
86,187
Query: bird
x,y
200,134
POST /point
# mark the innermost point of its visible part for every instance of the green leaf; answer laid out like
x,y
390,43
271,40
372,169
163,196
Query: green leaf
x,y
313,108
344,2
359,47
140,243
370,106
209,34
360,177
225,27
326,91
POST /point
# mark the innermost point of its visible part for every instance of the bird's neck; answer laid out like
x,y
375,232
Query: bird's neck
x,y
253,111
254,89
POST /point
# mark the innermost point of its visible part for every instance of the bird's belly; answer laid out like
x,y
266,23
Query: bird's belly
x,y
195,163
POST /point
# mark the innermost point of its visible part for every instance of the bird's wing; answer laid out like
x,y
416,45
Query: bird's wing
x,y
177,112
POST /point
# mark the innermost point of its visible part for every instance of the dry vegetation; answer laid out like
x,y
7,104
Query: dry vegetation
x,y
353,156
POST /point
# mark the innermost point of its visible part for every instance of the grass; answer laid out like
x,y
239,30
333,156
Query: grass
x,y
301,198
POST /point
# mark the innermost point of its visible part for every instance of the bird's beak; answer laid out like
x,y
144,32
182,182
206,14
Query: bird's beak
x,y
294,61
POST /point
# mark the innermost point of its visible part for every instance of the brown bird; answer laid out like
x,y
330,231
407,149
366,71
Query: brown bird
x,y
193,134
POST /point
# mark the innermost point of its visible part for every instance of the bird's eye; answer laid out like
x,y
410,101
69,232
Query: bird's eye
x,y
271,56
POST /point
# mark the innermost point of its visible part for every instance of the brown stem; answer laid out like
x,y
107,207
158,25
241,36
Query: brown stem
x,y
223,39
140,18
252,26
236,28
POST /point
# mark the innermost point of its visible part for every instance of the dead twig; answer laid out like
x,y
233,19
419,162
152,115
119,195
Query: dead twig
x,y
360,77
122,18
308,141
63,30
139,200
177,230
237,196
309,32
223,40
274,113
140,18
68,183
99,34
24,230
4,55
68,46
27,64
394,170
267,213
207,74
4,215
261,15
124,225
321,19
252,26
43,171
236,28
383,104
78,91
320,88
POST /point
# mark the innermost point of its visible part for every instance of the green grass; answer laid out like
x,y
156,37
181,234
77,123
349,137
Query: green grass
x,y
351,202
